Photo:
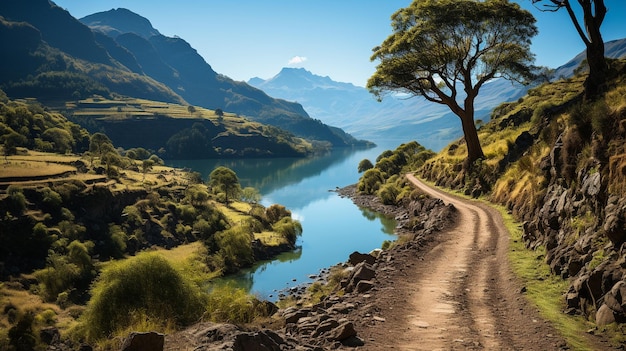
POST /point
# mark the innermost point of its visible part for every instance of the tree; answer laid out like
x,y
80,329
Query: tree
x,y
225,180
191,109
364,165
100,144
594,12
446,50
146,166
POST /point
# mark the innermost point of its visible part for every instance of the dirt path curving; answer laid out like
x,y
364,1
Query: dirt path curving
x,y
459,294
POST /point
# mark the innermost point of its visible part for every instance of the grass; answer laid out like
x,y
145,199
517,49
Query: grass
x,y
26,168
544,289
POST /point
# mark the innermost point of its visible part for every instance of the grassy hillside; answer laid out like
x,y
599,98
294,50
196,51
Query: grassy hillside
x,y
80,228
183,131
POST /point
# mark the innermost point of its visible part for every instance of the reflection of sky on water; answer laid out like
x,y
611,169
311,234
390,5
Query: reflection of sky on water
x,y
333,227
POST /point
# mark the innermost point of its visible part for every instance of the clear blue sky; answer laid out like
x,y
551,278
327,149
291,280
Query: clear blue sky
x,y
251,38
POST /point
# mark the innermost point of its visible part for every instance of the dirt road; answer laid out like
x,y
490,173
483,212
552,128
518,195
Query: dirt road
x,y
459,294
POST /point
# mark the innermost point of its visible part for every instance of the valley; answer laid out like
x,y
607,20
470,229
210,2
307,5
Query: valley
x,y
148,201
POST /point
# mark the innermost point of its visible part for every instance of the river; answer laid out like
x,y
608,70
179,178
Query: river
x,y
333,227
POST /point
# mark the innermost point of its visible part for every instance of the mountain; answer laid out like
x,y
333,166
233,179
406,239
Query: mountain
x,y
399,118
172,61
354,109
613,49
52,56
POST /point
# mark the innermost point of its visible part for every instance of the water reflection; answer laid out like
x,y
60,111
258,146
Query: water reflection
x,y
333,227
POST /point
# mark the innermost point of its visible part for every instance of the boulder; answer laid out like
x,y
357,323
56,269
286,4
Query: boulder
x,y
265,340
357,257
149,341
364,285
362,271
604,316
343,332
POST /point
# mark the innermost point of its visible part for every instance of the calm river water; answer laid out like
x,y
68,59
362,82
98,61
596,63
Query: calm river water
x,y
333,227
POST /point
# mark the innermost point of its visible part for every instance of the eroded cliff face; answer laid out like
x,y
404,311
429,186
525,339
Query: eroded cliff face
x,y
580,221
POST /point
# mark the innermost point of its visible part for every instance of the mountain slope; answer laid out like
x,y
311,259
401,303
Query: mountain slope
x,y
50,55
354,109
175,63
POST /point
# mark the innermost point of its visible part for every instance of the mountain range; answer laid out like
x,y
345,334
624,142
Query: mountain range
x,y
51,55
398,118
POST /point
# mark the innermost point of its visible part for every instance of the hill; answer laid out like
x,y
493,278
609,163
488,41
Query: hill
x,y
184,132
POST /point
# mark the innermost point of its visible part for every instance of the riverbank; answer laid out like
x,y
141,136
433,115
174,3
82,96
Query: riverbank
x,y
350,316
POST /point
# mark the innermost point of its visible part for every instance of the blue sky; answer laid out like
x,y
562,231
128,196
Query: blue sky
x,y
251,38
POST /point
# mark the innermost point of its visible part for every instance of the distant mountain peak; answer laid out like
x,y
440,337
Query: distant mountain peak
x,y
120,21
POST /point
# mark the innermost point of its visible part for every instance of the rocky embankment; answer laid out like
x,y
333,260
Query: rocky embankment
x,y
335,322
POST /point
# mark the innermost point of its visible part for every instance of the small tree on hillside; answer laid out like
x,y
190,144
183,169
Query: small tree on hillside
x,y
446,50
225,180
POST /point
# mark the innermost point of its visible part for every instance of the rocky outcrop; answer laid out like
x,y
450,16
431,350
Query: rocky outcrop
x,y
582,226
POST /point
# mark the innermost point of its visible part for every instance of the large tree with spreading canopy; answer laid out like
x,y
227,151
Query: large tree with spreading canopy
x,y
446,50
593,13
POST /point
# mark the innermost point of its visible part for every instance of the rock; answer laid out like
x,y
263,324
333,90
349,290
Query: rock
x,y
357,257
362,271
265,340
364,285
604,316
149,341
325,327
343,331
49,335
294,316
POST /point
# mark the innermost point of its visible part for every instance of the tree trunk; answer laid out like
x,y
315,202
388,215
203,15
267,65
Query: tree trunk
x,y
596,80
474,150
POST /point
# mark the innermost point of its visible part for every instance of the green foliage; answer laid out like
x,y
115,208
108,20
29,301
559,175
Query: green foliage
x,y
59,276
147,285
276,212
29,125
227,304
250,194
17,200
364,165
224,180
370,182
288,228
235,247
388,194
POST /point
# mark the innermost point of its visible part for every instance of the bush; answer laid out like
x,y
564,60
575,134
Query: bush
x,y
234,305
388,194
289,229
235,246
370,181
276,212
147,285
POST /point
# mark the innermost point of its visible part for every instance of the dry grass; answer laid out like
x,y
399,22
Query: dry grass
x,y
20,168
269,238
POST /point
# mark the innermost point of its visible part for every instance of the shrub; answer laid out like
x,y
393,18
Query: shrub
x,y
146,284
288,228
235,246
59,276
388,194
276,212
364,165
370,181
17,200
234,305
